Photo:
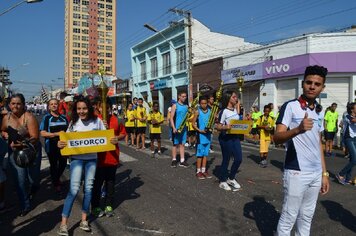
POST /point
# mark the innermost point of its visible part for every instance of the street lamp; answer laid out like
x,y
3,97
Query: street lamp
x,y
18,4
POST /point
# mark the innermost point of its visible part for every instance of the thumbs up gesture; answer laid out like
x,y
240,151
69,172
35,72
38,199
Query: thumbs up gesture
x,y
306,124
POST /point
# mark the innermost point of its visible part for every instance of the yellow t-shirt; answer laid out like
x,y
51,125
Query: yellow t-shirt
x,y
263,121
331,118
140,113
129,116
155,128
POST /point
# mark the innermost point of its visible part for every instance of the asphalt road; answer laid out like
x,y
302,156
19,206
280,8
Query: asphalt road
x,y
154,199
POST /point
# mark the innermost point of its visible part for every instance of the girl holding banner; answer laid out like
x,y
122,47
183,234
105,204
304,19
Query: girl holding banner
x,y
230,143
83,119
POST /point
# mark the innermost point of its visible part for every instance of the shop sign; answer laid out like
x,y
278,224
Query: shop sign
x,y
122,85
160,84
249,73
285,67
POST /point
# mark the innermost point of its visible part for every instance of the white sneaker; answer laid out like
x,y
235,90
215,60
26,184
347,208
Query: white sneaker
x,y
233,183
186,145
225,186
211,151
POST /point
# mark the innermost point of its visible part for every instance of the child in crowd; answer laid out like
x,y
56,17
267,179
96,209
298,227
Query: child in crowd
x,y
155,119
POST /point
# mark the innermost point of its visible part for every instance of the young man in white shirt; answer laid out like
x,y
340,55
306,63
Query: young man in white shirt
x,y
299,126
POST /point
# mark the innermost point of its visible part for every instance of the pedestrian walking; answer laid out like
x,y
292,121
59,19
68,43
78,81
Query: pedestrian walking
x,y
200,121
51,125
83,119
344,176
107,165
299,126
155,119
178,113
230,143
255,116
265,125
21,127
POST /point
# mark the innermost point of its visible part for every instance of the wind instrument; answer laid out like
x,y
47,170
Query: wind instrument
x,y
214,109
191,110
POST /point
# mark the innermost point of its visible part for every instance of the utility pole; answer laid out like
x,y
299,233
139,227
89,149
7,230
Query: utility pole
x,y
188,17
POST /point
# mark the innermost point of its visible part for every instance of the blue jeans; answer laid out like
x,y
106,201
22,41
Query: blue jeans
x,y
230,146
301,191
351,146
76,170
24,175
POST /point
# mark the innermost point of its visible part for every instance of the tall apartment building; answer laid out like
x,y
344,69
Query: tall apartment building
x,y
90,38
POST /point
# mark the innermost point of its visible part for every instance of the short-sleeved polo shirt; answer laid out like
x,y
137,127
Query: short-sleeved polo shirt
x,y
303,151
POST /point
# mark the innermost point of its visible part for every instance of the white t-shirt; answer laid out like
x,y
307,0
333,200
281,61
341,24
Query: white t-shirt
x,y
226,115
303,151
81,126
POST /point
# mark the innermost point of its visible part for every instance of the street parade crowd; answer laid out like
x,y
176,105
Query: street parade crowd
x,y
301,126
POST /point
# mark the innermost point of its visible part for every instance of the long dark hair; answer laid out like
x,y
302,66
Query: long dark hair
x,y
91,114
18,95
226,98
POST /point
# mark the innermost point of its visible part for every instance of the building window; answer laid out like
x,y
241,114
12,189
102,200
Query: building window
x,y
85,31
76,8
100,5
76,45
109,7
85,24
108,27
101,54
108,54
76,59
85,60
143,71
76,30
85,17
85,45
76,1
109,48
76,52
109,62
76,67
101,19
100,47
100,61
85,38
76,37
85,3
85,53
76,16
166,63
76,74
181,59
108,0
108,68
76,23
109,34
154,68
108,13
108,41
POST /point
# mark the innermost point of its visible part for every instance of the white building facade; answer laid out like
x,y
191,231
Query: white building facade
x,y
274,73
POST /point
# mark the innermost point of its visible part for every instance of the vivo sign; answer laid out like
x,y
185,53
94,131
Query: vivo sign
x,y
276,69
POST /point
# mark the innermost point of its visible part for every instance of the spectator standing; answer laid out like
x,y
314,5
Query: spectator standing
x,y
52,124
331,128
20,125
305,172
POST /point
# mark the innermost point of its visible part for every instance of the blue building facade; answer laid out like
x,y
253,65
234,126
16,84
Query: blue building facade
x,y
160,66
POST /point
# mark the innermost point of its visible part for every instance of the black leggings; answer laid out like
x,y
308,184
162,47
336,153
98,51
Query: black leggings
x,y
57,163
102,174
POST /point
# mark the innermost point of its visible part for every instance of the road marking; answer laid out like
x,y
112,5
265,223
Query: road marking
x,y
145,230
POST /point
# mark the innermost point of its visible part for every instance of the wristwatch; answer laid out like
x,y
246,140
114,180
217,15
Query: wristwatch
x,y
326,174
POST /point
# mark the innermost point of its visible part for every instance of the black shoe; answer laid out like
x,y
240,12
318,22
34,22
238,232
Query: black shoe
x,y
184,164
174,164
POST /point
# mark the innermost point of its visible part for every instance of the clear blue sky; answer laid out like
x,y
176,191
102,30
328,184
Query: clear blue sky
x,y
32,35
